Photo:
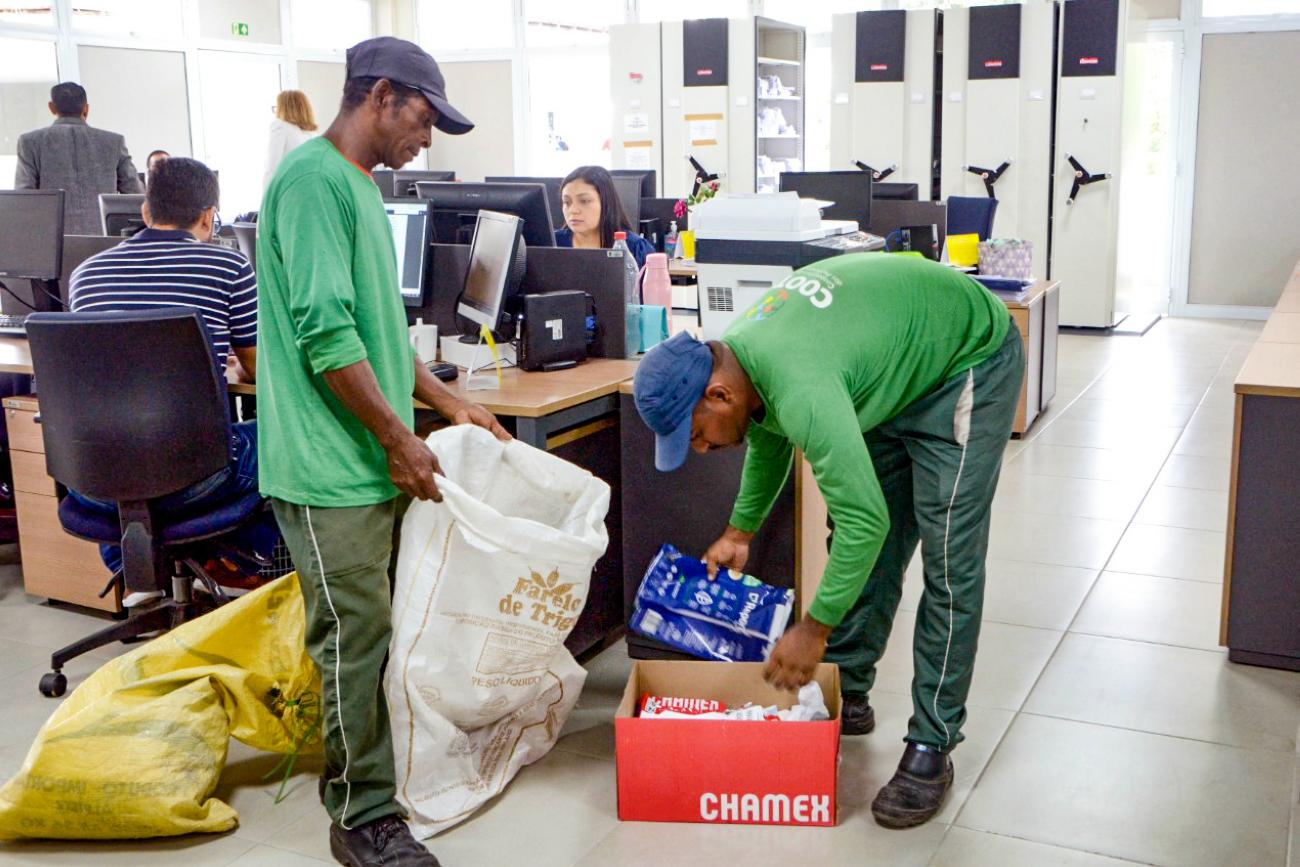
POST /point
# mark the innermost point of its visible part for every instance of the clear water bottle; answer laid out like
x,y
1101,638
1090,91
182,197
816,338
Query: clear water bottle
x,y
631,296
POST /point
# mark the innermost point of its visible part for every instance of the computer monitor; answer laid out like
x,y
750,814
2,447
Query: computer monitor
x,y
554,188
77,249
411,222
850,193
383,179
119,212
404,181
647,178
246,238
496,260
895,191
629,196
31,234
455,207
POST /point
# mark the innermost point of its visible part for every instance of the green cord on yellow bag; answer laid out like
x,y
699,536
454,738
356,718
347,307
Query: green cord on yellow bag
x,y
303,714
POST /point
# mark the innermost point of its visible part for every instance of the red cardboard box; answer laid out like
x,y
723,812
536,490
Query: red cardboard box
x,y
725,771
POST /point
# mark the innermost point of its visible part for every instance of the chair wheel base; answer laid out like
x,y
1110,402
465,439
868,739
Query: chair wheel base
x,y
54,684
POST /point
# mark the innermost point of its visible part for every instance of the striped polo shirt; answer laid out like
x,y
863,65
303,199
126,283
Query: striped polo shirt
x,y
171,268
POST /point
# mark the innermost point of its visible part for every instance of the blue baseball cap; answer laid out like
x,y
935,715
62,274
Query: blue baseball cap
x,y
669,382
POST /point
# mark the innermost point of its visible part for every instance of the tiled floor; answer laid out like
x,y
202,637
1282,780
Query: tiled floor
x,y
1106,725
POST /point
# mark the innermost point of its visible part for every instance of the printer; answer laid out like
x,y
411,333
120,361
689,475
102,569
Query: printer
x,y
746,243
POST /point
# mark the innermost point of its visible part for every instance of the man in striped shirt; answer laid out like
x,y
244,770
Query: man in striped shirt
x,y
168,264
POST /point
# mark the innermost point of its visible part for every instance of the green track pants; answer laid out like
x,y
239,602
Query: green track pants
x,y
938,463
345,560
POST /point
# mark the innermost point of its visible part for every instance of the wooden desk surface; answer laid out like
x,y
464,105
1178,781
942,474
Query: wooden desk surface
x,y
533,395
15,355
530,395
682,268
1271,369
1281,327
1036,291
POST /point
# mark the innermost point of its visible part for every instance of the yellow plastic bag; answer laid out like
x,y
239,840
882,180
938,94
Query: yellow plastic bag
x,y
136,750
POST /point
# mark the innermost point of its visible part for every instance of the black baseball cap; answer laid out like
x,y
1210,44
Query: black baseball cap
x,y
406,63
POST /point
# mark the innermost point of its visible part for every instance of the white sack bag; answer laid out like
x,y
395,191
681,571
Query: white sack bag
x,y
489,584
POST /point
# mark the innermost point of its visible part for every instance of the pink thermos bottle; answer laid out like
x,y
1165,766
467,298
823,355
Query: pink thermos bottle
x,y
656,286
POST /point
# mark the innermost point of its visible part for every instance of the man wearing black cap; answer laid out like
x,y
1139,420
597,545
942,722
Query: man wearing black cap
x,y
337,455
897,379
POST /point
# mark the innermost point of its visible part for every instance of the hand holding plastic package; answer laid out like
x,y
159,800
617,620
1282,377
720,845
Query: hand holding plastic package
x,y
733,618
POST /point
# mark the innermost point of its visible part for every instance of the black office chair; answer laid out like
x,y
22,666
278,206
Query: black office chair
x,y
132,409
969,215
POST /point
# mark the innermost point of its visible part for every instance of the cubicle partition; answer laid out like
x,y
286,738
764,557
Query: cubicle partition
x,y
689,509
595,272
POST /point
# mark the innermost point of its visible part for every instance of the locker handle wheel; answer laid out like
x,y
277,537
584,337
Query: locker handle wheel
x,y
989,176
1082,178
876,175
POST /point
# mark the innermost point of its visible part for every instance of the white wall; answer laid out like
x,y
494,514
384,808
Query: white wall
x,y
261,16
323,84
118,80
482,91
1245,211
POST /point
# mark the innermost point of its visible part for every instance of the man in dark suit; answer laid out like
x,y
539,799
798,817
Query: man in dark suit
x,y
73,156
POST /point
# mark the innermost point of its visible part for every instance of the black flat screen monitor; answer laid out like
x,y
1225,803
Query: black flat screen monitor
x,y
647,178
456,207
119,212
411,222
404,181
554,201
77,249
629,196
895,192
31,234
849,191
383,179
246,238
492,277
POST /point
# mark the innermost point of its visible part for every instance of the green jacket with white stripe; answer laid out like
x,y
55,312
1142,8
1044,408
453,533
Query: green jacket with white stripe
x,y
835,350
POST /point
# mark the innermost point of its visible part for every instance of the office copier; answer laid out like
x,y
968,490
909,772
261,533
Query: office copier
x,y
746,243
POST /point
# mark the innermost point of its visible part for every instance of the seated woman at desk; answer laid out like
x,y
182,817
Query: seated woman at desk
x,y
593,213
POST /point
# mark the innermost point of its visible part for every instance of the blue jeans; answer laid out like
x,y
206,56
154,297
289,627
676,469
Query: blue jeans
x,y
233,481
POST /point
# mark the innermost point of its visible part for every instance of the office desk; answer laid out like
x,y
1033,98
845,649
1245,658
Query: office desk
x,y
1038,318
684,275
541,404
1261,593
572,413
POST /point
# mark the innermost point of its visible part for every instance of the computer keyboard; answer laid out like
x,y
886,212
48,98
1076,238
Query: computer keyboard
x,y
13,324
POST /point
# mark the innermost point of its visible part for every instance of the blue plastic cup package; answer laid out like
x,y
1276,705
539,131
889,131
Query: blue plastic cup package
x,y
735,618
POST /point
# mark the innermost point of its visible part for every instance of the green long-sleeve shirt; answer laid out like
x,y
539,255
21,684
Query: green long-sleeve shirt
x,y
835,350
327,297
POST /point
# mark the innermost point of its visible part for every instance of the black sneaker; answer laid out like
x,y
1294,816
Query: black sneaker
x,y
385,842
917,791
856,715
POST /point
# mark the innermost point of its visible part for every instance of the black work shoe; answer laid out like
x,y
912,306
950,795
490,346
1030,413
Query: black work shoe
x,y
856,715
385,842
917,791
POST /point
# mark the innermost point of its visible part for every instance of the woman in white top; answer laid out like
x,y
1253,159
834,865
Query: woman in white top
x,y
294,124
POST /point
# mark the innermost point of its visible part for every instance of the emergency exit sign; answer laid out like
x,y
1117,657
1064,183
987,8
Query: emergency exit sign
x,y
238,28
